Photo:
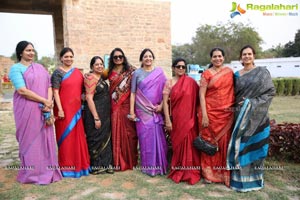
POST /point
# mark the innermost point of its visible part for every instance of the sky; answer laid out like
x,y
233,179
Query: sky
x,y
186,17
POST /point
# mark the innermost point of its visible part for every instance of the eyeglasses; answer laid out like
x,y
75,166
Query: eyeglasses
x,y
180,66
120,57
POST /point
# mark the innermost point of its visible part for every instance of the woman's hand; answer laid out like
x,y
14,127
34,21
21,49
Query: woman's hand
x,y
242,102
205,121
168,126
132,116
61,114
159,108
97,124
48,103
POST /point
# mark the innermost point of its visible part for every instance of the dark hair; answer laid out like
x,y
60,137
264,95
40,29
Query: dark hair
x,y
111,64
20,48
177,60
93,60
216,49
246,47
64,51
143,53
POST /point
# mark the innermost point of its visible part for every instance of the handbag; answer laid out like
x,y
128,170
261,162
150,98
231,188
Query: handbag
x,y
202,145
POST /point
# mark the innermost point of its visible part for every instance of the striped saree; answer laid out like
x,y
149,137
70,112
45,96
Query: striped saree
x,y
248,145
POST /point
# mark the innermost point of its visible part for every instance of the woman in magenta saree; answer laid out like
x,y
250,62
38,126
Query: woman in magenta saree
x,y
124,138
181,98
37,148
67,83
146,97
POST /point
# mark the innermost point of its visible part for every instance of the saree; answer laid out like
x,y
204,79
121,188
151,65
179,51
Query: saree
x,y
37,147
98,140
151,137
184,99
73,154
219,100
124,137
248,146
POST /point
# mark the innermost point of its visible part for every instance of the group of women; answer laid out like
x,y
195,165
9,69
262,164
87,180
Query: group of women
x,y
135,107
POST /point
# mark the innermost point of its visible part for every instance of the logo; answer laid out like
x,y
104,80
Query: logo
x,y
236,10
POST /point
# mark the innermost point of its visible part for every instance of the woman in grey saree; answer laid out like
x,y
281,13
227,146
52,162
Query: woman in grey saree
x,y
248,146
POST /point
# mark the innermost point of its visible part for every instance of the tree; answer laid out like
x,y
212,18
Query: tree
x,y
231,37
47,62
184,51
292,48
274,52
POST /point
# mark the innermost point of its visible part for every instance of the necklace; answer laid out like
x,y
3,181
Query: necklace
x,y
248,69
148,70
215,69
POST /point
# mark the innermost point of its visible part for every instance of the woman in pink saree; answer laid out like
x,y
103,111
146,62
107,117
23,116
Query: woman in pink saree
x,y
37,152
146,106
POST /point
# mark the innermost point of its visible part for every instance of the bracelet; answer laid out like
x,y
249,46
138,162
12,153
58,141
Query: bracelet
x,y
97,119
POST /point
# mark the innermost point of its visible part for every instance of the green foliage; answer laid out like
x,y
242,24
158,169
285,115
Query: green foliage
x,y
292,48
275,82
296,87
288,86
280,87
274,52
184,51
48,63
230,36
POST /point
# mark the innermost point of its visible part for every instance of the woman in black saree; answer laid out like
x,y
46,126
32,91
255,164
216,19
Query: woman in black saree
x,y
248,146
97,119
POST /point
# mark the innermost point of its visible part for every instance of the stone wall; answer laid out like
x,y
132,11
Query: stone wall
x,y
96,27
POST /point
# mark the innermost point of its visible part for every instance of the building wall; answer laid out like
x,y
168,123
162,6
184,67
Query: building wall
x,y
5,64
96,27
278,67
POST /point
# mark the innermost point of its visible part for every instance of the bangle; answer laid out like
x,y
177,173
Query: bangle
x,y
97,119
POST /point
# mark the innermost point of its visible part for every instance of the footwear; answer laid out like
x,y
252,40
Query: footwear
x,y
207,181
100,171
110,171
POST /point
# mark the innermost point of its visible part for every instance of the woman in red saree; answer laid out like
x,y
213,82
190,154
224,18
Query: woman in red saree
x,y
67,84
124,138
182,93
216,116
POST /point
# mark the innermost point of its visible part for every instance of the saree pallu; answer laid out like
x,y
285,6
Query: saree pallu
x,y
99,140
37,147
184,98
219,101
124,137
152,140
248,145
73,154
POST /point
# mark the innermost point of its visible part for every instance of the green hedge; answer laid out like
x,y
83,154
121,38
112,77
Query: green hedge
x,y
287,86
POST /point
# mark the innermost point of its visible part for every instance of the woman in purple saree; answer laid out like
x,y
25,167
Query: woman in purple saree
x,y
146,105
37,152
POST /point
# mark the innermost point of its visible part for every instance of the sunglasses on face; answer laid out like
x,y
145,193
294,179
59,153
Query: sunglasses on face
x,y
180,66
118,57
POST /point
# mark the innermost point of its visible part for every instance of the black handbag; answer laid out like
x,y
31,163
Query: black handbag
x,y
205,146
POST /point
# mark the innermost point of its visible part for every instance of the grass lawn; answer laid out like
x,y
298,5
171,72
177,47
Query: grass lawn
x,y
285,109
282,179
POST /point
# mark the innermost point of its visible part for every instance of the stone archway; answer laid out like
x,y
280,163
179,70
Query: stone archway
x,y
95,27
